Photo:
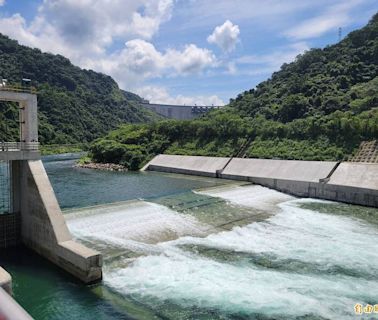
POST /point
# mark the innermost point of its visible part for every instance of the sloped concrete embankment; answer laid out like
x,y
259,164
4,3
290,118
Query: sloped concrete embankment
x,y
194,165
355,183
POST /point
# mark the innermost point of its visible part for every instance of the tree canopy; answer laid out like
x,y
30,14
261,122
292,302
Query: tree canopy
x,y
75,105
319,107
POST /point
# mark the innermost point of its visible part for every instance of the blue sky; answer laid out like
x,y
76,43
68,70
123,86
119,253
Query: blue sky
x,y
182,51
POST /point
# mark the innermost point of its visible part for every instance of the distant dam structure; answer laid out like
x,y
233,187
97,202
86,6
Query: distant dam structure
x,y
29,211
179,112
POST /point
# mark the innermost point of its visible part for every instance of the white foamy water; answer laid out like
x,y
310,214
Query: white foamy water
x,y
169,273
138,221
192,281
253,196
308,236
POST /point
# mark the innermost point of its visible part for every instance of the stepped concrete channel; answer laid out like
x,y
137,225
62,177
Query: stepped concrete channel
x,y
354,183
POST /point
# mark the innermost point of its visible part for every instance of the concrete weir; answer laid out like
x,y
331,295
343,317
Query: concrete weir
x,y
355,183
33,216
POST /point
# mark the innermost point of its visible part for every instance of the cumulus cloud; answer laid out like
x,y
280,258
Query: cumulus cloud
x,y
140,60
102,20
191,60
87,28
160,95
225,36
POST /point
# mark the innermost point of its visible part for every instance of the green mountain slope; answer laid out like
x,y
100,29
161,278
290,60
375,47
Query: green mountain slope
x,y
320,107
75,105
319,82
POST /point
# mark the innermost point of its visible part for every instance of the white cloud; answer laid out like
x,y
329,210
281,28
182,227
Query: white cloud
x,y
161,95
2,2
86,29
191,60
225,36
336,16
140,60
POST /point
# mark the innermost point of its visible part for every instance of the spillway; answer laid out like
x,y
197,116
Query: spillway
x,y
277,256
183,247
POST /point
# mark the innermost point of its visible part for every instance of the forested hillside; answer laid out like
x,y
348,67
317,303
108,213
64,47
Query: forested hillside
x,y
320,107
75,105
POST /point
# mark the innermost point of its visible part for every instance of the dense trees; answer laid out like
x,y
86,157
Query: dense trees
x,y
319,107
75,105
331,137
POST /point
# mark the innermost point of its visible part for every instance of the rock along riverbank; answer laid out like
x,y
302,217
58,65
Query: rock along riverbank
x,y
102,166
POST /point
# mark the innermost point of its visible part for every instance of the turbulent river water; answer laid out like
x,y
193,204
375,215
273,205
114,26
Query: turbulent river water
x,y
178,247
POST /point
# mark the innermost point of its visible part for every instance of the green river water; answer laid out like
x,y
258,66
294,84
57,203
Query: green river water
x,y
180,247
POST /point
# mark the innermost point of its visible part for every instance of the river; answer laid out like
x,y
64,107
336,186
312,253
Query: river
x,y
181,247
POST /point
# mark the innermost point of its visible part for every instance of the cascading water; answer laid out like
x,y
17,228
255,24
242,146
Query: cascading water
x,y
279,260
225,251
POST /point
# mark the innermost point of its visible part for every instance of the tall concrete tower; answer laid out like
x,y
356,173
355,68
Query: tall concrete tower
x,y
33,216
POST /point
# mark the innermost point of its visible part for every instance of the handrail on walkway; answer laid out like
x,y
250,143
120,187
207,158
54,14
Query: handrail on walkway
x,y
16,88
19,146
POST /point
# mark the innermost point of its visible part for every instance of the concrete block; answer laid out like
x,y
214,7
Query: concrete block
x,y
361,175
309,171
193,165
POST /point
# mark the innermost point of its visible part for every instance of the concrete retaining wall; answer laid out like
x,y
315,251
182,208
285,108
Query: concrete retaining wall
x,y
359,175
201,166
309,171
43,227
355,183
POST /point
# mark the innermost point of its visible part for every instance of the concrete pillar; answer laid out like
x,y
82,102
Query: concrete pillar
x,y
44,229
29,119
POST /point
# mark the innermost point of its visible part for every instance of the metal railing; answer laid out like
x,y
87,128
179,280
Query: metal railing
x,y
19,146
18,88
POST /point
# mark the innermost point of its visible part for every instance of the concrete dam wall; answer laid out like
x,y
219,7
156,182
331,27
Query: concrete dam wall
x,y
355,183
